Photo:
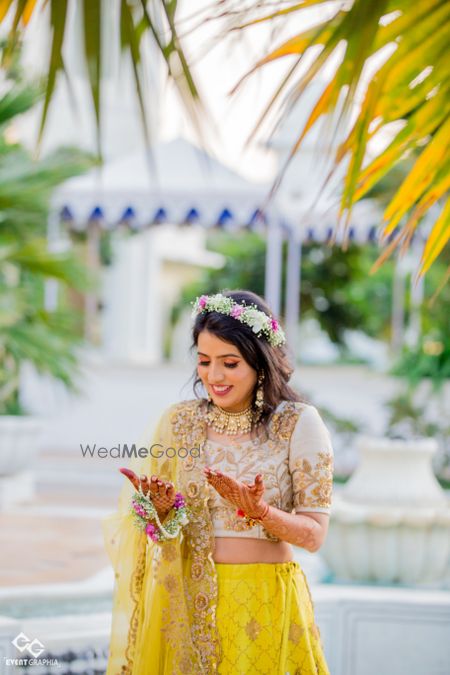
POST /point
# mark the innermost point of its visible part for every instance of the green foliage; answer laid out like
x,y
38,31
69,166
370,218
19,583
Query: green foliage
x,y
335,287
28,332
431,357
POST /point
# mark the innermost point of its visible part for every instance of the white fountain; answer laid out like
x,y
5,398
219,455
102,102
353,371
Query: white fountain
x,y
391,522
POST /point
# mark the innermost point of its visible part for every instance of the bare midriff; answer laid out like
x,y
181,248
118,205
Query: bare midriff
x,y
246,550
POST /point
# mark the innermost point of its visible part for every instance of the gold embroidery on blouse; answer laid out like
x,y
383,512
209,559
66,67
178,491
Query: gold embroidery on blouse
x,y
244,460
282,422
304,477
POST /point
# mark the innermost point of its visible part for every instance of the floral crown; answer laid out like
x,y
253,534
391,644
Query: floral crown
x,y
260,323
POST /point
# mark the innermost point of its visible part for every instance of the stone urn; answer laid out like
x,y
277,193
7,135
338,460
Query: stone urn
x,y
19,444
391,521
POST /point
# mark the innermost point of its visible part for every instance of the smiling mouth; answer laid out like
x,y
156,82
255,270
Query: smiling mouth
x,y
222,390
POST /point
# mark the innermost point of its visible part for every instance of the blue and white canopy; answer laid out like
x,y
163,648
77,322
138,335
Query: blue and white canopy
x,y
176,183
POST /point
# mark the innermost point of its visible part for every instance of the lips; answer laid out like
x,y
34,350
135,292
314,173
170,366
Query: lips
x,y
220,391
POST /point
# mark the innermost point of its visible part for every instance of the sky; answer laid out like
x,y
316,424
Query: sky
x,y
220,60
218,63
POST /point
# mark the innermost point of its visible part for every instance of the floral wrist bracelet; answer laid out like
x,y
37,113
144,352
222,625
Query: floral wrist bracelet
x,y
144,512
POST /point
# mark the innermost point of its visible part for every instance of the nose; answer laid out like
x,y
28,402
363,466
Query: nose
x,y
216,374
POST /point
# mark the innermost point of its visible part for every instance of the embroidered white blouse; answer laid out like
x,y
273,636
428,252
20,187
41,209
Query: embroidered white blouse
x,y
296,461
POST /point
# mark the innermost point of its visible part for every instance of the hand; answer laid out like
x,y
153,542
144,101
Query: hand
x,y
162,493
246,496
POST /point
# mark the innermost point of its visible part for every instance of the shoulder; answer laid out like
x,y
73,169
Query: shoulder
x,y
185,418
183,408
310,429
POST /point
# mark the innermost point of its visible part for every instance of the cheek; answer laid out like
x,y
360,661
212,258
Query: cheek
x,y
245,378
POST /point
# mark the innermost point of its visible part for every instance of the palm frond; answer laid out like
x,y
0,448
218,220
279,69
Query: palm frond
x,y
136,20
407,96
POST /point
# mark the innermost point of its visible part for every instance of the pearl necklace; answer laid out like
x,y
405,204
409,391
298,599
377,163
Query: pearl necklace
x,y
229,423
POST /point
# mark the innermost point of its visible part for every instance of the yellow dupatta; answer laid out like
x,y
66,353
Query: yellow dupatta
x,y
165,595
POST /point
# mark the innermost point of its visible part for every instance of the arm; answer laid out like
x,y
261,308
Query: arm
x,y
305,530
300,529
311,469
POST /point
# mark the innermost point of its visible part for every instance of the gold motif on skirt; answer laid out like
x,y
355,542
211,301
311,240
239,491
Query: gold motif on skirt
x,y
253,629
295,633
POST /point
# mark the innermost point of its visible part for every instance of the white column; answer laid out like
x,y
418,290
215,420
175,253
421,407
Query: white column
x,y
274,262
91,326
292,292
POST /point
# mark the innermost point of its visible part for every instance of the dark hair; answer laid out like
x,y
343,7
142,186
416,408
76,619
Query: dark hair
x,y
274,362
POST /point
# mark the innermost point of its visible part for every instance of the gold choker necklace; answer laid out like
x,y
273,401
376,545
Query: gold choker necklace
x,y
229,423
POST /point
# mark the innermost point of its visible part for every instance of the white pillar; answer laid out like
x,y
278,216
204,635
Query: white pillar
x,y
274,263
91,326
293,283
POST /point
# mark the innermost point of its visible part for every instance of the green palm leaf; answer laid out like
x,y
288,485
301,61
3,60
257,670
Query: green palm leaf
x,y
135,21
409,91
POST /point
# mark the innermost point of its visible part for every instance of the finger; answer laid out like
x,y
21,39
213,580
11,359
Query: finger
x,y
154,486
161,488
169,489
131,477
145,484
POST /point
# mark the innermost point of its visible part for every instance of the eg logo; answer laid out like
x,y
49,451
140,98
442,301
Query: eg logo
x,y
33,647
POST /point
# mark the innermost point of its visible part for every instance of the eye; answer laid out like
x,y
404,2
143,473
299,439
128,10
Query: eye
x,y
203,363
230,365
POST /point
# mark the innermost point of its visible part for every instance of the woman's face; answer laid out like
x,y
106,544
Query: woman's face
x,y
226,376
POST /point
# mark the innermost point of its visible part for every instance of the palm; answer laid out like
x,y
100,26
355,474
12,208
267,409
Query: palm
x,y
248,497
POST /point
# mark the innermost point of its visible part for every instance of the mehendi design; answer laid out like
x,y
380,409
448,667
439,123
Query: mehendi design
x,y
295,529
245,497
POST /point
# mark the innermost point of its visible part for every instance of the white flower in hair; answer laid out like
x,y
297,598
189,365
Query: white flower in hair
x,y
255,319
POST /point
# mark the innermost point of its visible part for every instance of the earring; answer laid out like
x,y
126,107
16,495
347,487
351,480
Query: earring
x,y
208,397
259,398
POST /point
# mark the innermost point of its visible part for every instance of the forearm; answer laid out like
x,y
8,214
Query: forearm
x,y
295,529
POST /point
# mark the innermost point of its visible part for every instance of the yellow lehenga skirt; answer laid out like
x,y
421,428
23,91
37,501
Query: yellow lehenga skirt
x,y
265,618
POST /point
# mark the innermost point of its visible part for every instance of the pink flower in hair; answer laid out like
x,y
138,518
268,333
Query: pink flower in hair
x,y
203,299
236,311
274,324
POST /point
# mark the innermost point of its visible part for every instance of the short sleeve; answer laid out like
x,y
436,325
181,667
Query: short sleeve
x,y
311,463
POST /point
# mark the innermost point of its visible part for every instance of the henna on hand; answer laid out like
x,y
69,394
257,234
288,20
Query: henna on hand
x,y
162,493
295,529
247,497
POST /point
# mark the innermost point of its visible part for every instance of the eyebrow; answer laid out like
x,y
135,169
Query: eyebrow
x,y
222,356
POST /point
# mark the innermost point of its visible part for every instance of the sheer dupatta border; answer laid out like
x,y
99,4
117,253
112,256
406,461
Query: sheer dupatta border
x,y
180,573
